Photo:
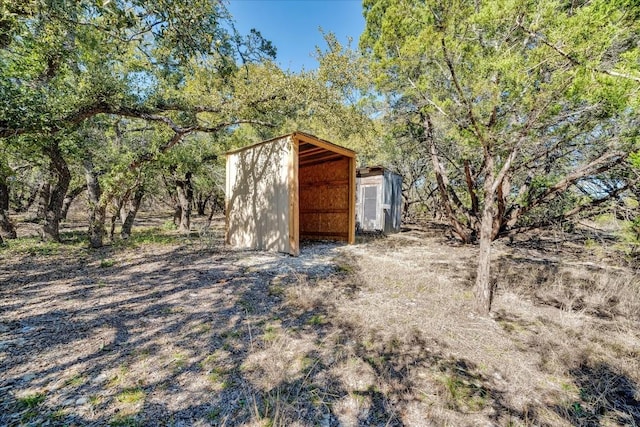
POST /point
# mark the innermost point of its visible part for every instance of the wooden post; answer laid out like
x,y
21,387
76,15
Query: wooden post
x,y
294,207
352,201
227,193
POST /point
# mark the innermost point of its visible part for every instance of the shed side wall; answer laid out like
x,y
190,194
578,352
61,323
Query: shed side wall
x,y
258,196
393,202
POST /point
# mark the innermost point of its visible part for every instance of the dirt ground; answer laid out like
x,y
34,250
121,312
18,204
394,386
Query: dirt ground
x,y
183,331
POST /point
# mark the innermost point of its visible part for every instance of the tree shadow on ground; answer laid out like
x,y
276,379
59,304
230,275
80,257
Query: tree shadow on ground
x,y
606,397
203,325
81,339
186,336
593,392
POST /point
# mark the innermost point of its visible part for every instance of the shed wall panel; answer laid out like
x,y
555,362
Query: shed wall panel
x,y
393,219
325,200
258,192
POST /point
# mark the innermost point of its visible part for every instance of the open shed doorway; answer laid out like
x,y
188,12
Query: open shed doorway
x,y
290,188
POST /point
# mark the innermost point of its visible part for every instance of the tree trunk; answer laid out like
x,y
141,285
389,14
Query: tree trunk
x,y
120,207
97,209
210,217
462,232
7,228
185,199
131,213
112,227
116,212
483,287
43,196
201,203
218,203
60,171
68,199
177,214
471,187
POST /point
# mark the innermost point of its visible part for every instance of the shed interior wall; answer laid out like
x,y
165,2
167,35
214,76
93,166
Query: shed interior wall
x,y
324,204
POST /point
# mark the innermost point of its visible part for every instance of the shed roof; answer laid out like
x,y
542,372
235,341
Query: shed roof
x,y
373,170
311,150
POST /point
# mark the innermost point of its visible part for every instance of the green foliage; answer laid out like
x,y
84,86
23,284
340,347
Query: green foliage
x,y
125,84
316,320
131,395
118,84
106,263
72,243
124,421
154,235
630,238
532,89
463,394
32,400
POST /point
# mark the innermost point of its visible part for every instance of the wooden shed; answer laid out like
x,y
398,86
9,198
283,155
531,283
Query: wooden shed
x,y
379,200
289,188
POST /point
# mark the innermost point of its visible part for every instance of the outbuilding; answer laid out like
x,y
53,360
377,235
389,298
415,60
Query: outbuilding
x,y
289,188
379,200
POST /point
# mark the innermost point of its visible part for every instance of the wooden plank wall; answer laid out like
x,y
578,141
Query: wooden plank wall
x,y
325,200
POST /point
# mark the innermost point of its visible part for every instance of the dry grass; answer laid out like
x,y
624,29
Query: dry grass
x,y
182,331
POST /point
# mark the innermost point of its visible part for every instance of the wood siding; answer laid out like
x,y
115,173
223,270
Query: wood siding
x,y
324,200
290,187
259,196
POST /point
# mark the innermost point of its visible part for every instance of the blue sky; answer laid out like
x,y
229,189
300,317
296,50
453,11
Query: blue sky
x,y
293,25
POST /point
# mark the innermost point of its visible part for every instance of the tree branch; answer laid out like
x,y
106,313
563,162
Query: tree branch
x,y
572,59
467,104
599,165
569,214
144,114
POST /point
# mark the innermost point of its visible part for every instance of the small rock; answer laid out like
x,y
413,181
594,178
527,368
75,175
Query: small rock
x,y
81,401
68,402
326,420
28,377
100,379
